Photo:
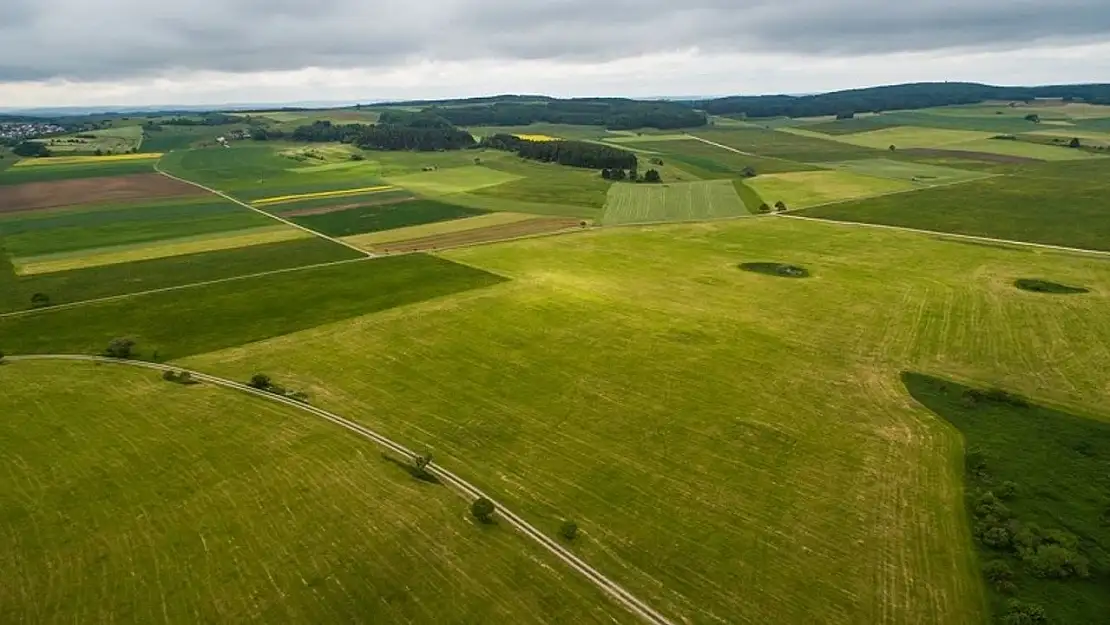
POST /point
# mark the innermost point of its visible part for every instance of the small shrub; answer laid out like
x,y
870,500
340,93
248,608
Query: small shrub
x,y
1019,613
1057,562
40,300
998,571
1006,490
765,208
996,537
749,172
121,348
780,206
569,530
483,510
169,376
260,381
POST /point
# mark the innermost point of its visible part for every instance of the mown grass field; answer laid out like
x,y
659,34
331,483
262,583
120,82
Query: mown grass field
x,y
912,137
683,201
920,173
83,169
453,180
736,446
483,220
134,500
1056,203
79,285
1024,149
710,162
174,324
810,188
805,149
374,218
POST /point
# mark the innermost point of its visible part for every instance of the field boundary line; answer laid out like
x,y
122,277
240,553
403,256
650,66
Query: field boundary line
x,y
464,488
179,287
952,235
260,211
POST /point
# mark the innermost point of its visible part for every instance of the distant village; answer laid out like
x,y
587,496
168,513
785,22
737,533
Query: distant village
x,y
28,130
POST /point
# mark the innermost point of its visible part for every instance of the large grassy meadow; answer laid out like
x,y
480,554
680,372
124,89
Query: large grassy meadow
x,y
735,446
127,499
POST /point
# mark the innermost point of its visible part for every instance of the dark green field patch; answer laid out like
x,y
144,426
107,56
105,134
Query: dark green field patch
x,y
120,279
1038,494
130,224
711,162
1044,286
1057,204
50,173
787,146
378,217
175,324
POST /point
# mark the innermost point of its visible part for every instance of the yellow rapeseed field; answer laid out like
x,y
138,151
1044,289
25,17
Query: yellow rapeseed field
x,y
537,137
280,199
81,160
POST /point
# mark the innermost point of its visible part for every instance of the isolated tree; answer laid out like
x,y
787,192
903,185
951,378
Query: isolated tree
x,y
169,376
1033,117
122,348
652,175
483,510
846,115
420,465
40,300
1075,143
261,381
765,207
569,530
749,172
607,174
780,206
892,147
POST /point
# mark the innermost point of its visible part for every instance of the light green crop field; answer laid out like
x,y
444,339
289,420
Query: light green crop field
x,y
787,143
920,173
810,188
736,447
108,140
683,201
1087,137
1023,149
452,180
709,161
127,499
911,137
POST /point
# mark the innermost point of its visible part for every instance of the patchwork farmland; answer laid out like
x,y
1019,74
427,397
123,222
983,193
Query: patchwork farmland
x,y
804,377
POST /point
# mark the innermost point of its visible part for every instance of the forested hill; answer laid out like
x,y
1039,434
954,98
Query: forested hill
x,y
895,97
612,113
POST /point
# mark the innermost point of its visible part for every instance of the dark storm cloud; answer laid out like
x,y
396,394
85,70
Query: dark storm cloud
x,y
112,39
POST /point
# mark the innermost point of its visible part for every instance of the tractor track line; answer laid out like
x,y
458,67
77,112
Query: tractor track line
x,y
464,488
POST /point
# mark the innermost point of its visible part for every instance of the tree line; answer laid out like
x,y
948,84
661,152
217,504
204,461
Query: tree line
x,y
895,97
614,114
571,153
417,132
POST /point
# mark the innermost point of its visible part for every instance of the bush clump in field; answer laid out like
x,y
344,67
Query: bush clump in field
x,y
765,208
569,530
483,510
179,377
122,348
263,382
776,269
40,300
1019,613
780,206
1044,286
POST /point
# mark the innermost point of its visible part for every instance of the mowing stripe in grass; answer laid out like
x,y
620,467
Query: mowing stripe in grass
x,y
281,199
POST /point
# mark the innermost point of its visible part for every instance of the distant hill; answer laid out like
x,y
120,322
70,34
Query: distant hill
x,y
895,97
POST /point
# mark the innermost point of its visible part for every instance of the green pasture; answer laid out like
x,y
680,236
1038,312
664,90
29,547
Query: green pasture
x,y
562,131
385,196
51,173
1086,137
171,503
171,138
174,324
912,137
919,173
810,188
1060,203
724,439
119,279
711,162
806,148
374,218
484,220
1024,149
117,140
71,231
452,180
682,201
547,183
1044,472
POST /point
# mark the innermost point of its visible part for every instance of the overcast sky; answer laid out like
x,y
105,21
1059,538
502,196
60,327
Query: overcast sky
x,y
91,52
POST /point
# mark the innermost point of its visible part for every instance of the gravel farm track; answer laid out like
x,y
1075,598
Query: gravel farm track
x,y
462,487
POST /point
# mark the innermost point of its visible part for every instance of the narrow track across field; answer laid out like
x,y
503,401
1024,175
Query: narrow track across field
x,y
464,488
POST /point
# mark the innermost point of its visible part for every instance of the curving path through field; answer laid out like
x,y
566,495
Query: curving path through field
x,y
464,488
262,212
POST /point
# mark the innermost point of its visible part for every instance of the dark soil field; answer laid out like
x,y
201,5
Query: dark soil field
x,y
36,195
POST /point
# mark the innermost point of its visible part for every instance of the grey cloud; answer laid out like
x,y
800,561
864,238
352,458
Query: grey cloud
x,y
113,39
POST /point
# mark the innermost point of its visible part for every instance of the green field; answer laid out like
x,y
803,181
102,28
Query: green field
x,y
683,201
1057,203
811,188
50,233
198,504
911,137
374,218
1023,149
174,324
806,149
119,279
452,180
710,162
907,171
631,378
108,141
21,175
